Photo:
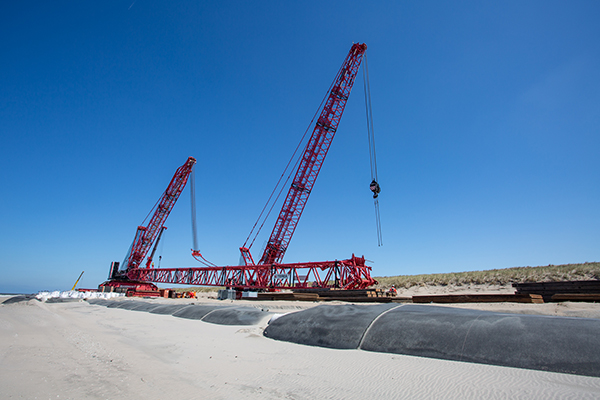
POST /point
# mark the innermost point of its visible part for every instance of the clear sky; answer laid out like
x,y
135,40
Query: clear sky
x,y
486,116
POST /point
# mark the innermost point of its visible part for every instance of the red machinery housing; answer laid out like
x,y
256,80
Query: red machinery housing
x,y
269,272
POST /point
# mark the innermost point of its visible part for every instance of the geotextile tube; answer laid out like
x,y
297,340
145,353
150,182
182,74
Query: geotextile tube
x,y
168,309
333,326
546,343
18,299
220,315
236,316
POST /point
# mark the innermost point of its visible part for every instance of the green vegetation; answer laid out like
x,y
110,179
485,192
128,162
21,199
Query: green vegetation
x,y
550,273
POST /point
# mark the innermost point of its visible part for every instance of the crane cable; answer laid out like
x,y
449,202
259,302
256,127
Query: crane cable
x,y
374,185
193,204
195,251
161,248
289,176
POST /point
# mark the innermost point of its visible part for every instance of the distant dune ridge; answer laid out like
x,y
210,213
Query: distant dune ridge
x,y
498,277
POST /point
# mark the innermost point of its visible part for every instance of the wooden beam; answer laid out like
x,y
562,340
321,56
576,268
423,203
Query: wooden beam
x,y
478,298
576,297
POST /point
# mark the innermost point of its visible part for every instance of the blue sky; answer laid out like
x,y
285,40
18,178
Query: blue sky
x,y
486,118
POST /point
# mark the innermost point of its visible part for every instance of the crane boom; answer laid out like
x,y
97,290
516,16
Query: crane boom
x,y
313,157
146,235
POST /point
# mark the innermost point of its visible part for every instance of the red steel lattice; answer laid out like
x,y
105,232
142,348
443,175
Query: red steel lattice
x,y
344,274
313,157
146,235
269,273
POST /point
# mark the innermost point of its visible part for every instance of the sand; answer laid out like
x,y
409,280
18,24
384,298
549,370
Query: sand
x,y
456,289
561,309
77,350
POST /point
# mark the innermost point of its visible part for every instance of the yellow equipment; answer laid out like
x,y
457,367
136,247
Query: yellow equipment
x,y
77,281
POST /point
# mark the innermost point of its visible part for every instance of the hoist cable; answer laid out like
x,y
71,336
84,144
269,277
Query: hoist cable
x,y
274,202
372,154
284,173
161,247
369,112
202,260
271,196
378,223
195,251
152,209
193,206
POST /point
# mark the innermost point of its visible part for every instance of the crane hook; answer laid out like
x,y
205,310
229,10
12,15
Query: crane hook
x,y
375,188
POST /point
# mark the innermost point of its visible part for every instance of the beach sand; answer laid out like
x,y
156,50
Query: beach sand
x,y
76,350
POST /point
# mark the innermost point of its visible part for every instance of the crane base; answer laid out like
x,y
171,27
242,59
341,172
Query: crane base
x,y
130,288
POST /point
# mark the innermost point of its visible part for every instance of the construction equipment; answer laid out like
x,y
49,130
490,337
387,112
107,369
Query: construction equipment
x,y
145,236
77,281
312,159
269,273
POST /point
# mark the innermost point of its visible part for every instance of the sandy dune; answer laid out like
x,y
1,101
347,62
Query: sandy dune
x,y
81,351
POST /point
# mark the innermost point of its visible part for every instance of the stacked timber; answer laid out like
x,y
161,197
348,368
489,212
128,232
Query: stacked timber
x,y
358,295
286,296
562,291
334,292
142,293
478,298
590,297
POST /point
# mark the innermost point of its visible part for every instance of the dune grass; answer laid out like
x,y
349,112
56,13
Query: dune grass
x,y
549,273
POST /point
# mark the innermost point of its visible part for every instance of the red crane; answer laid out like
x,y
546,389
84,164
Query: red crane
x,y
313,157
311,160
270,272
146,235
